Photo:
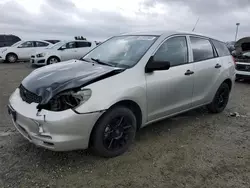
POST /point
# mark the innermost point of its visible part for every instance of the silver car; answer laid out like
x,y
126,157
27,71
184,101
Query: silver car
x,y
122,85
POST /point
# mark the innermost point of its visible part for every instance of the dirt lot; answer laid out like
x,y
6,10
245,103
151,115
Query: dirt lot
x,y
196,149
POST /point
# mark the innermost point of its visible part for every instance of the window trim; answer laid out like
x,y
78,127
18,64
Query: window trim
x,y
204,38
173,36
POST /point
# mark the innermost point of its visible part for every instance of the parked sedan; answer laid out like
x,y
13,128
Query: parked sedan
x,y
22,50
62,51
124,84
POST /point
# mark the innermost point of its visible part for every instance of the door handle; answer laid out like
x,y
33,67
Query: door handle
x,y
189,72
217,66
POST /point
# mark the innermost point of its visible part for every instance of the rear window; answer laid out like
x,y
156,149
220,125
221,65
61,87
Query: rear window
x,y
83,44
41,44
202,49
221,48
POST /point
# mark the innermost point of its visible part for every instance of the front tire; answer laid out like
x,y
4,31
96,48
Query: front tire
x,y
53,60
11,58
114,132
220,100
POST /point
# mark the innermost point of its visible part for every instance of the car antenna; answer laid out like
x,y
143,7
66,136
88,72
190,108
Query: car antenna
x,y
196,24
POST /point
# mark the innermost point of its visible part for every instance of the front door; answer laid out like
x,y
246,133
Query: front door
x,y
69,51
25,50
170,91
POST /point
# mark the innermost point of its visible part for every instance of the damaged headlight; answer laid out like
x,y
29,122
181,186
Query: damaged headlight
x,y
68,100
41,55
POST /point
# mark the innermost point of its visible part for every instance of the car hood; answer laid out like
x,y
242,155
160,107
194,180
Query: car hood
x,y
50,80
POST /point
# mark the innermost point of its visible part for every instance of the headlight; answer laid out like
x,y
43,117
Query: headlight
x,y
4,50
68,100
41,55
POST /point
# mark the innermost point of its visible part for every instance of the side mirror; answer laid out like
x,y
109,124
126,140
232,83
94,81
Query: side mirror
x,y
153,65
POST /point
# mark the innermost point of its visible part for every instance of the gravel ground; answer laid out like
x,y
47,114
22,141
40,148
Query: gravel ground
x,y
195,149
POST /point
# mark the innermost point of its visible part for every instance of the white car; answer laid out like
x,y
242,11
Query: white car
x,y
62,51
22,50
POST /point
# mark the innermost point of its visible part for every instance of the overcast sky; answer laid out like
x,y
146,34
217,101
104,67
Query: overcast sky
x,y
100,19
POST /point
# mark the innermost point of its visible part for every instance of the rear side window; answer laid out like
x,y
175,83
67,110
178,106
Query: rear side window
x,y
202,49
173,50
221,48
28,44
83,44
41,44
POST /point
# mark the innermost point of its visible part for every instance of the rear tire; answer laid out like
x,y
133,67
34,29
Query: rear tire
x,y
53,60
11,58
114,132
220,100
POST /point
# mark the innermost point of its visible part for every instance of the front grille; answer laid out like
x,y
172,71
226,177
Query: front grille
x,y
28,96
241,67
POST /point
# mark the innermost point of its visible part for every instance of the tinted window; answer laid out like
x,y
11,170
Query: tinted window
x,y
27,44
71,45
41,44
221,48
173,50
202,49
83,44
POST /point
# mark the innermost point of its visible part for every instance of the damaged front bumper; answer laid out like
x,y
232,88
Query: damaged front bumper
x,y
58,131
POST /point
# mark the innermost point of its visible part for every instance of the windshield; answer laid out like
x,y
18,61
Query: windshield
x,y
57,45
17,43
122,51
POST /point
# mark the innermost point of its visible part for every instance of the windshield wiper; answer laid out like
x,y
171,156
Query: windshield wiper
x,y
101,62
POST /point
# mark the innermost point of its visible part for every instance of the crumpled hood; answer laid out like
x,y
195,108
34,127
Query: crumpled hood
x,y
50,80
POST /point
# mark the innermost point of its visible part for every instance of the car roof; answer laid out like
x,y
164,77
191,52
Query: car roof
x,y
34,40
167,33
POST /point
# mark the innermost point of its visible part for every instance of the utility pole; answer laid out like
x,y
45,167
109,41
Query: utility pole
x,y
237,27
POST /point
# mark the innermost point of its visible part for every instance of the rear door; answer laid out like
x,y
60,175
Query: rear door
x,y
170,91
207,69
83,47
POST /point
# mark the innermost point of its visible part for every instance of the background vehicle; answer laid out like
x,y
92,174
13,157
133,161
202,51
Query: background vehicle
x,y
125,83
22,50
8,40
53,41
243,66
62,51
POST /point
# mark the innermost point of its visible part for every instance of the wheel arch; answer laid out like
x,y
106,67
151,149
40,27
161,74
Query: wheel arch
x,y
229,83
51,56
132,105
9,54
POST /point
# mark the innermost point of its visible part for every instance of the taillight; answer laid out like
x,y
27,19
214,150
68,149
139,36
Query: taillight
x,y
234,60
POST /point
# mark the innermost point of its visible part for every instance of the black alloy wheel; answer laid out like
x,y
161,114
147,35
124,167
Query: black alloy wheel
x,y
220,100
114,132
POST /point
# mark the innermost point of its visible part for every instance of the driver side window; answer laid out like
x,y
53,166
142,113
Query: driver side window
x,y
28,44
68,45
173,50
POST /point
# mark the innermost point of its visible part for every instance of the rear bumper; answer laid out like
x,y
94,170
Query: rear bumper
x,y
58,131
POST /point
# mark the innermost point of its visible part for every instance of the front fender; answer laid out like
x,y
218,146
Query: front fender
x,y
103,101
